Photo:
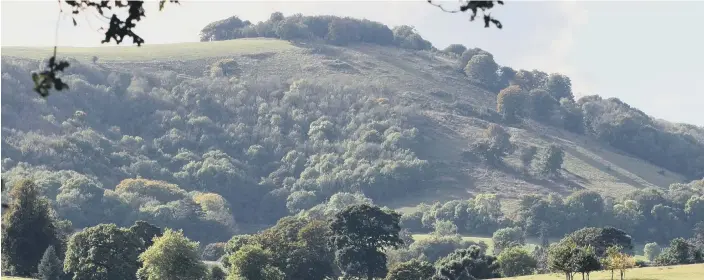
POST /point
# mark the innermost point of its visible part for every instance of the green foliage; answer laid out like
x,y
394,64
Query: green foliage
x,y
360,233
527,155
467,55
628,129
196,147
436,247
443,228
103,252
551,161
509,102
559,86
28,229
252,262
146,233
482,68
456,49
216,273
470,263
213,251
584,260
495,145
172,256
411,270
529,80
680,252
406,37
651,251
508,237
331,29
516,261
600,239
540,105
235,244
50,267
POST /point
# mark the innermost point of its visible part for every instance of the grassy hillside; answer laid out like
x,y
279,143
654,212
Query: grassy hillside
x,y
424,80
679,272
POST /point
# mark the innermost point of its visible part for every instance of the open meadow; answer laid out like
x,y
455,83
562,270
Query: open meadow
x,y
678,272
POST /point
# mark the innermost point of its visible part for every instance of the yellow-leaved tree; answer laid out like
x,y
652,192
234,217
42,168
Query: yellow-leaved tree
x,y
172,257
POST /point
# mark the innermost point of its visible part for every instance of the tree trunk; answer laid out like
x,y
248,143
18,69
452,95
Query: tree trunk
x,y
612,274
582,275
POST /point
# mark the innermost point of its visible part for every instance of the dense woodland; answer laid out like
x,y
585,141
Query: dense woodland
x,y
129,154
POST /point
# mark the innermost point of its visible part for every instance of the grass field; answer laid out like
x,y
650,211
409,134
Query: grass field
x,y
678,272
180,51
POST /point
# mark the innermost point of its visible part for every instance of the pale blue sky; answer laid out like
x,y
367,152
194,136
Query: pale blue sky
x,y
647,53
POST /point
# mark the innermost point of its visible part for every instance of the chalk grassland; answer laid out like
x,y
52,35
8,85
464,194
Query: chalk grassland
x,y
180,51
678,272
429,81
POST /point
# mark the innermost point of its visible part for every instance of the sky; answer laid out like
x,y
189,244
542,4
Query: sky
x,y
646,53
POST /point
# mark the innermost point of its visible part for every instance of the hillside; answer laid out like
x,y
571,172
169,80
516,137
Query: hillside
x,y
169,112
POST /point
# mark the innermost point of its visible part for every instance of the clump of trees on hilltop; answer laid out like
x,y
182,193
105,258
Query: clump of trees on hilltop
x,y
335,30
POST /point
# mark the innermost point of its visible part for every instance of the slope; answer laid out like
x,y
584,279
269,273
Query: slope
x,y
450,110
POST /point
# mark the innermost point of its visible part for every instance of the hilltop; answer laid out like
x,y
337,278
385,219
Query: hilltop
x,y
271,126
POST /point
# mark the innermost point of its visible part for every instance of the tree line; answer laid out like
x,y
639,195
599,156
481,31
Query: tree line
x,y
360,240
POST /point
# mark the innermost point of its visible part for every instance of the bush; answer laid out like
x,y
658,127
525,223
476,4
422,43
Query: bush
x,y
213,251
50,267
443,228
482,68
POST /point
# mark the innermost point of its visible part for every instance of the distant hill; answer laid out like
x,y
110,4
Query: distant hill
x,y
270,127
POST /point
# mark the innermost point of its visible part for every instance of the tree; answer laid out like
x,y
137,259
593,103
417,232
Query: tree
x,y
508,237
552,160
470,263
50,267
444,227
411,270
213,251
615,259
457,49
495,145
509,102
600,239
172,256
559,86
584,260
559,258
103,252
482,68
516,261
527,155
360,233
296,250
540,105
251,262
680,252
216,273
651,251
28,229
146,232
